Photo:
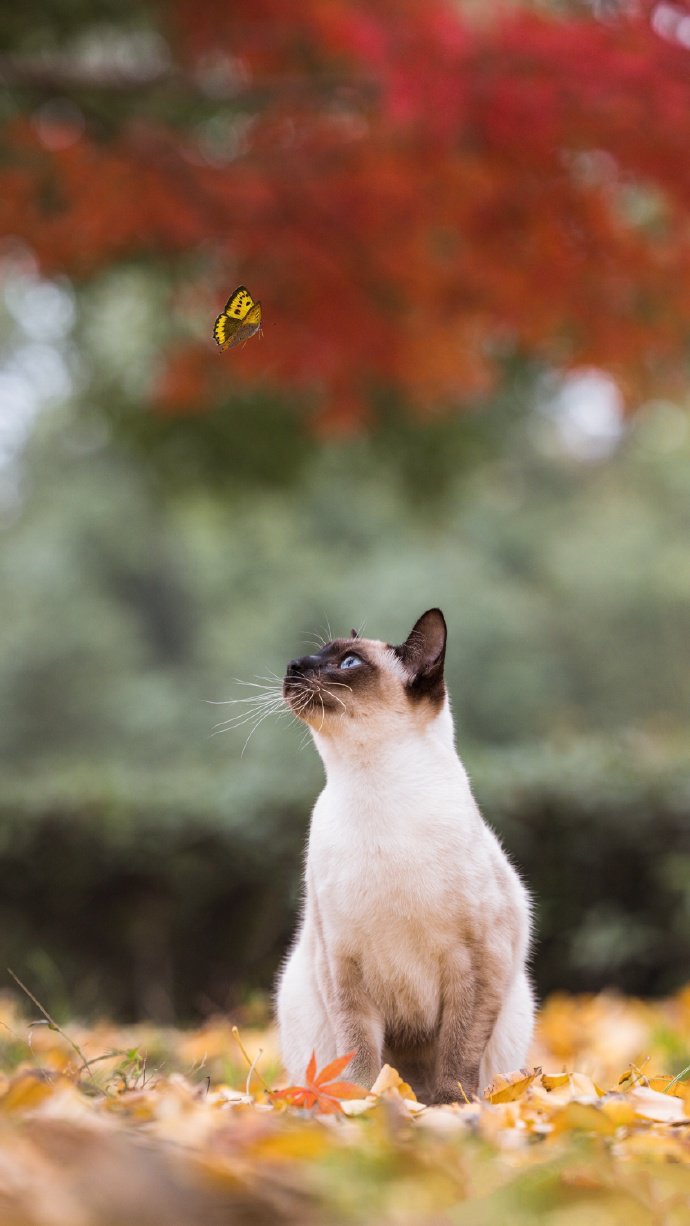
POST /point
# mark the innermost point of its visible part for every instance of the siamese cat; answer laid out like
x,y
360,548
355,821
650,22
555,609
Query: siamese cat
x,y
414,935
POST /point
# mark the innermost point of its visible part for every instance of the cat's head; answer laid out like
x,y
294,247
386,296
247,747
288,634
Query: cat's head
x,y
356,684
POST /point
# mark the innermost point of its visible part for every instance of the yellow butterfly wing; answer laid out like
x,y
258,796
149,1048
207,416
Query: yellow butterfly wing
x,y
240,319
239,303
224,329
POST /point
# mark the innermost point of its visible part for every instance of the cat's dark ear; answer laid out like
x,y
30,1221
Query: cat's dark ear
x,y
354,634
423,653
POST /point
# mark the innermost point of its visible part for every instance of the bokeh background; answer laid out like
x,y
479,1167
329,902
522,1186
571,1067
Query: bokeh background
x,y
469,229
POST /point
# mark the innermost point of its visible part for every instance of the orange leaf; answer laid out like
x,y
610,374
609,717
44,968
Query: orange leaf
x,y
294,1096
328,1105
311,1069
319,1092
331,1070
345,1089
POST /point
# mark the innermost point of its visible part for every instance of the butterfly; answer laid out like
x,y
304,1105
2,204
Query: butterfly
x,y
240,319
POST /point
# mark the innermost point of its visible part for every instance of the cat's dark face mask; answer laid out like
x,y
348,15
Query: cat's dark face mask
x,y
329,679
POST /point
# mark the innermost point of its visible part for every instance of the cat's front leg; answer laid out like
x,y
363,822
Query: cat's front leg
x,y
358,1024
472,998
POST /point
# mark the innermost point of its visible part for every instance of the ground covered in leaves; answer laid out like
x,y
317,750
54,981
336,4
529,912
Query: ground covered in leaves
x,y
107,1126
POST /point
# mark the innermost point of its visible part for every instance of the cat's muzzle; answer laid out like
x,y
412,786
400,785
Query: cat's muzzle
x,y
299,677
301,687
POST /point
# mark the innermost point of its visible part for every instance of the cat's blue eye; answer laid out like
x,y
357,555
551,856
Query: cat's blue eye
x,y
350,661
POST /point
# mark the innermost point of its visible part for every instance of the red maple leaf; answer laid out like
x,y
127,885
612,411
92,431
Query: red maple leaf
x,y
321,1092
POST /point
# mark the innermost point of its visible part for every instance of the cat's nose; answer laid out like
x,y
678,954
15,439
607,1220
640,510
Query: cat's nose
x,y
305,664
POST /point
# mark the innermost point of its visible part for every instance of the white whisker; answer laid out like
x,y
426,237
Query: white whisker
x,y
246,717
249,720
255,699
251,734
268,700
335,696
283,709
270,683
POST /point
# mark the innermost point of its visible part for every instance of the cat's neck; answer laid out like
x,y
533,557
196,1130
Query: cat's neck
x,y
377,753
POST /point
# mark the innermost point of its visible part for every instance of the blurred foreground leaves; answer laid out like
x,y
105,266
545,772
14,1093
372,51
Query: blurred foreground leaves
x,y
164,1125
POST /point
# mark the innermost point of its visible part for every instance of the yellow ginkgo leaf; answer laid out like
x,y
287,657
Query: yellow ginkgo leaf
x,y
584,1117
650,1104
506,1088
27,1089
390,1081
554,1081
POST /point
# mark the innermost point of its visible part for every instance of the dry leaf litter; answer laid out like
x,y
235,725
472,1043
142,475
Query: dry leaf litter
x,y
107,1126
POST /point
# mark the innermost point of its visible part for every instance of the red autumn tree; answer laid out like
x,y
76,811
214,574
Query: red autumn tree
x,y
413,195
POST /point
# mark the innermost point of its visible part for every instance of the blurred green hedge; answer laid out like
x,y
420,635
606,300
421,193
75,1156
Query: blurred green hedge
x,y
174,895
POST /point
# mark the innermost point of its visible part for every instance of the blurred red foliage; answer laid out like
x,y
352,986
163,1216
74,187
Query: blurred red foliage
x,y
411,195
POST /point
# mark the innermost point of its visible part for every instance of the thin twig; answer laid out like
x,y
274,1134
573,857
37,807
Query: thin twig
x,y
462,1091
678,1077
54,1026
250,1062
255,1061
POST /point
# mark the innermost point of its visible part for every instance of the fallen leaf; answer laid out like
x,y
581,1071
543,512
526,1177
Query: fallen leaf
x,y
650,1104
553,1081
27,1089
320,1092
583,1117
389,1081
504,1089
